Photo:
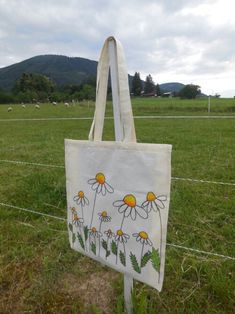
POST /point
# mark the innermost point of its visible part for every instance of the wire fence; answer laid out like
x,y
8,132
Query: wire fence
x,y
18,162
177,246
111,118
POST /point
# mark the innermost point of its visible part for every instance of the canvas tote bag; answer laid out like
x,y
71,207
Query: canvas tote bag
x,y
118,193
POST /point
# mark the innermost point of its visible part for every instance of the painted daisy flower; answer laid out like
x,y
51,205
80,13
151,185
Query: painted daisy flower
x,y
154,202
121,236
143,238
77,220
100,185
109,233
94,233
104,216
128,207
80,198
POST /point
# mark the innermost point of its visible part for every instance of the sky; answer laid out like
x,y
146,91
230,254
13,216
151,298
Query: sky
x,y
186,41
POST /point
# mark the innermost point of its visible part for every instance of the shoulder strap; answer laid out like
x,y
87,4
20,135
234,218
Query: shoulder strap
x,y
126,116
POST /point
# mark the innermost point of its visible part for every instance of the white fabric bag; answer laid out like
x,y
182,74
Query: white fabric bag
x,y
118,193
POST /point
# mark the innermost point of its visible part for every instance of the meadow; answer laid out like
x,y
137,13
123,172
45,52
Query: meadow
x,y
39,273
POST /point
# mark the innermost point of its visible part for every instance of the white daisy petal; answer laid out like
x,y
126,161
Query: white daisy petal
x,y
149,242
92,181
145,204
162,198
99,189
86,200
95,186
122,208
135,235
127,211
118,203
103,190
141,212
127,236
149,207
109,188
159,203
133,214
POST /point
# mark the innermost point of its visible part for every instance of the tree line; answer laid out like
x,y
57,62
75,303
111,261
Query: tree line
x,y
36,87
148,88
31,88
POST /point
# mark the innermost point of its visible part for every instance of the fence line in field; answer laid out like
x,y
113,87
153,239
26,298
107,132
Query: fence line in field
x,y
135,117
177,246
63,167
32,211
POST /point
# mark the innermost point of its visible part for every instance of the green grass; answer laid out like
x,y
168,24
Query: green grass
x,y
39,273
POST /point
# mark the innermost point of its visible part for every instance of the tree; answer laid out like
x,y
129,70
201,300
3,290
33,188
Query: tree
x,y
39,85
158,90
136,84
189,91
149,86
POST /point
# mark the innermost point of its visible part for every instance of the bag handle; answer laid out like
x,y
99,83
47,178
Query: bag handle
x,y
112,56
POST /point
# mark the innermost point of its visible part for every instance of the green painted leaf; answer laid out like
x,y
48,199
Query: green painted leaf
x,y
80,239
86,230
155,259
70,227
108,253
146,258
104,244
122,258
74,237
134,263
93,247
114,248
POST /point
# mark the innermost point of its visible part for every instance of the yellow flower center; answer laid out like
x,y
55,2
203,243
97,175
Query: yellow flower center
x,y
151,197
81,194
104,214
100,178
76,217
120,232
143,235
73,209
93,229
130,200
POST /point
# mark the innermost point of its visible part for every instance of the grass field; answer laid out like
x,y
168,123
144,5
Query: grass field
x,y
39,273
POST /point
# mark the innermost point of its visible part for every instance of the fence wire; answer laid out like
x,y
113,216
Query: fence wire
x,y
177,246
18,162
135,117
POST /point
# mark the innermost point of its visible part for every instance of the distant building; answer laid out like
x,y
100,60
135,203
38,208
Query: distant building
x,y
148,95
168,94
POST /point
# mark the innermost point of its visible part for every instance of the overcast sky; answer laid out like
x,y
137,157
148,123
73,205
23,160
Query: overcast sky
x,y
187,41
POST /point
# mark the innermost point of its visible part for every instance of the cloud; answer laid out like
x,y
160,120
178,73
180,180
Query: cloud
x,y
172,40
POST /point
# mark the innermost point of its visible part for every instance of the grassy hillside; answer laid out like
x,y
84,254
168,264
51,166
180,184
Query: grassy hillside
x,y
61,69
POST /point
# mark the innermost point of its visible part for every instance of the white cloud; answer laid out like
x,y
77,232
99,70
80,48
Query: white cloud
x,y
183,40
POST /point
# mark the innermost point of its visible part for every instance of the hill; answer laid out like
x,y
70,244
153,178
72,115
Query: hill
x,y
171,87
61,69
